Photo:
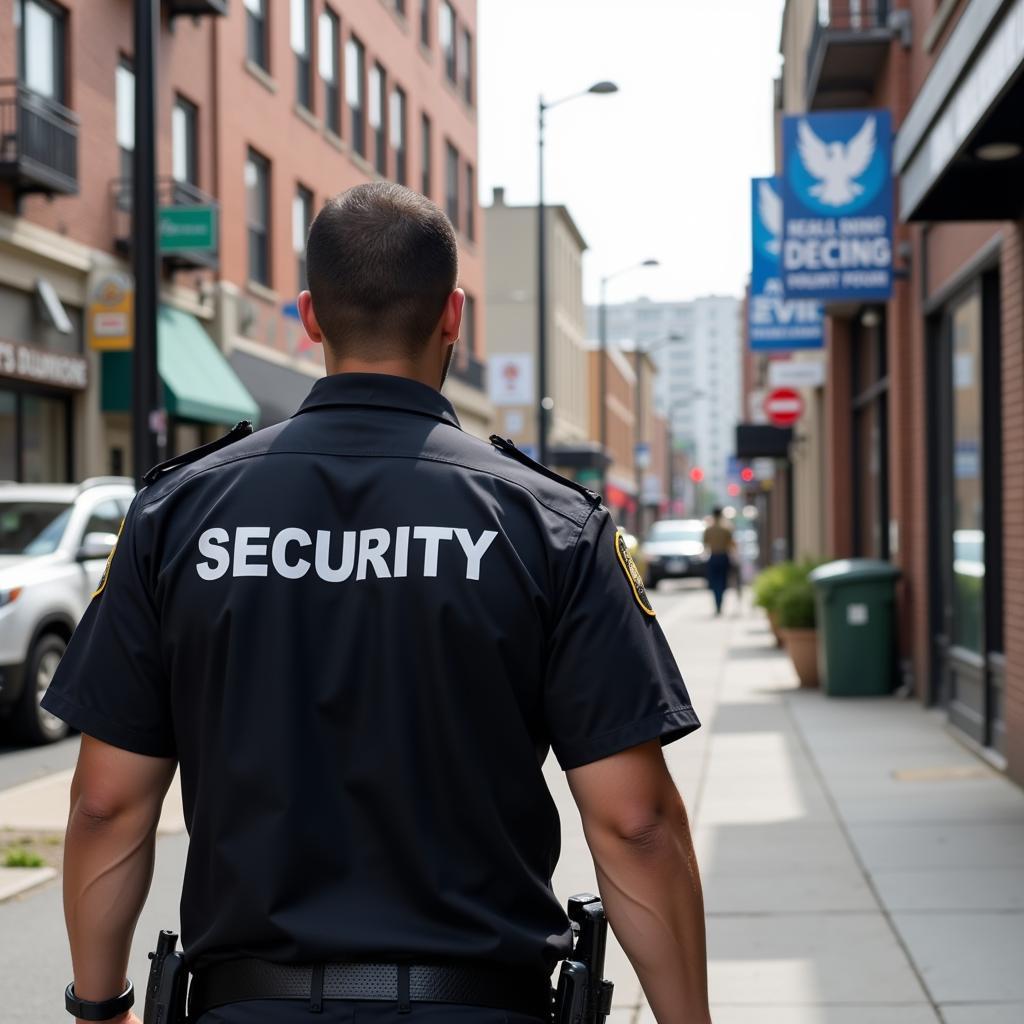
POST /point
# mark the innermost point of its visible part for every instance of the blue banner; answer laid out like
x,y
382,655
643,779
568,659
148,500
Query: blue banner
x,y
837,206
775,322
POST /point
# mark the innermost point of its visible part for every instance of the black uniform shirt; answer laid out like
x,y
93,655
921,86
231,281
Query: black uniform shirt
x,y
360,631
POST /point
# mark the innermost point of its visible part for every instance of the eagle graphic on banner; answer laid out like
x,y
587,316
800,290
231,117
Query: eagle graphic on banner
x,y
836,165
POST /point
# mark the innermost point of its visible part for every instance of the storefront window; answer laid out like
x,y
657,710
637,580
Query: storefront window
x,y
8,436
968,504
44,439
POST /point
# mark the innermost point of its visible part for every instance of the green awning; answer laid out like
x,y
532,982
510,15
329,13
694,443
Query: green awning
x,y
199,385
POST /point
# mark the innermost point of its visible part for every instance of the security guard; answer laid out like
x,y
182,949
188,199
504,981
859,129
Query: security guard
x,y
358,633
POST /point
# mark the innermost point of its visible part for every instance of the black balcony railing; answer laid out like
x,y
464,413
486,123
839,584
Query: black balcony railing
x,y
841,24
38,142
470,370
170,192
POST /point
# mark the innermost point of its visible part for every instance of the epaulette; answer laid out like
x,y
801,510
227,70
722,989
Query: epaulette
x,y
236,433
503,444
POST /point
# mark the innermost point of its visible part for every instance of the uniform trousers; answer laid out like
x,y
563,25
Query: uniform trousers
x,y
340,1011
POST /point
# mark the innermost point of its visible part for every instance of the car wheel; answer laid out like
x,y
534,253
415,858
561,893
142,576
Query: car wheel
x,y
651,583
31,722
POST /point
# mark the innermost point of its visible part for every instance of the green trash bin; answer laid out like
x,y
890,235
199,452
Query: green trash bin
x,y
854,599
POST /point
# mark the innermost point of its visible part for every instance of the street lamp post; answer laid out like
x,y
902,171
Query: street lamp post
x,y
544,403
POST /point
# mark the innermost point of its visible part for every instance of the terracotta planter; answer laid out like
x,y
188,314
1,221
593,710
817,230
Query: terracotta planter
x,y
802,647
773,621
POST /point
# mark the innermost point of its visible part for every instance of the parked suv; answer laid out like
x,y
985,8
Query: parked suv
x,y
674,549
54,542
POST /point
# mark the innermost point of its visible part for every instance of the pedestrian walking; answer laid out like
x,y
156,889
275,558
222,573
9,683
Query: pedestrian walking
x,y
719,545
358,633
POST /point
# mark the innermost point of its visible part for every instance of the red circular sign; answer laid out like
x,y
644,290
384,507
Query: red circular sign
x,y
784,407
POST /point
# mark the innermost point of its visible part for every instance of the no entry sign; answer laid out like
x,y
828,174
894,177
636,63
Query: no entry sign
x,y
784,407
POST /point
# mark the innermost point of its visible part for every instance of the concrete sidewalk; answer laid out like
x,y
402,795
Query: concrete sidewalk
x,y
859,865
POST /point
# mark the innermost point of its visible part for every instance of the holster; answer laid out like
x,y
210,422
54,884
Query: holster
x,y
583,995
167,988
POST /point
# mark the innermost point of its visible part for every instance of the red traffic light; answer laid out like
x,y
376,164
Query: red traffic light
x,y
746,474
734,490
697,475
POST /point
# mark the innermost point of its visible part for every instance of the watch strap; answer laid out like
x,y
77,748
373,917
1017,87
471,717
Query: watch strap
x,y
106,1009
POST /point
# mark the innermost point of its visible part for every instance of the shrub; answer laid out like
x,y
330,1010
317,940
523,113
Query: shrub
x,y
22,858
795,605
771,582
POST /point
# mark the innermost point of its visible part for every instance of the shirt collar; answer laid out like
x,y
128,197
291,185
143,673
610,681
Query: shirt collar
x,y
382,390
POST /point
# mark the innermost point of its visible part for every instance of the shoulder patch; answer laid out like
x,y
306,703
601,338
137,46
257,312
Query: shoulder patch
x,y
102,585
508,447
236,433
636,582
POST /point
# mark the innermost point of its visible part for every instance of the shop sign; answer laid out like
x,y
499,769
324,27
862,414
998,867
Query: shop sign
x,y
42,366
784,407
186,229
511,379
109,324
796,373
837,204
775,322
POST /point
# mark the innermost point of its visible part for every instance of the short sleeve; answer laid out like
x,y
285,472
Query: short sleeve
x,y
111,684
611,682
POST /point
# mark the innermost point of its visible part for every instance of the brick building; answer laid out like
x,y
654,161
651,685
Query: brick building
x,y
922,408
265,110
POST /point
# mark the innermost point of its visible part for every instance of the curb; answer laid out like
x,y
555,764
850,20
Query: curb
x,y
15,881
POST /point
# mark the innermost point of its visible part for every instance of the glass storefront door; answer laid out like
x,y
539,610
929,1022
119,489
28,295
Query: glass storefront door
x,y
34,437
967,519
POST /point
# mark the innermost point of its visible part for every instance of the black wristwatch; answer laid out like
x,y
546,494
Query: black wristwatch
x,y
86,1009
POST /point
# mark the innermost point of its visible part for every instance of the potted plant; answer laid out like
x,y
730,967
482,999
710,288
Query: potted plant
x,y
767,587
798,624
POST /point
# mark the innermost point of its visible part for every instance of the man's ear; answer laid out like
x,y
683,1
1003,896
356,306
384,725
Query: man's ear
x,y
309,321
451,318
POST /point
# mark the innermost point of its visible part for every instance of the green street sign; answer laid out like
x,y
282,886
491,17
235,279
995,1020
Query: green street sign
x,y
186,229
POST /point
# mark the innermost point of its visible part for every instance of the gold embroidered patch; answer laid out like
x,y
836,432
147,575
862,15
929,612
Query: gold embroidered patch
x,y
106,568
636,581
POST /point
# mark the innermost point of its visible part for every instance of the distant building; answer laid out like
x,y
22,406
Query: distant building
x,y
698,384
511,290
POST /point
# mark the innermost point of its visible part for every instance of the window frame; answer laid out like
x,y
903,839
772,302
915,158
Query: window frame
x,y
304,196
258,160
398,131
124,66
425,36
303,59
191,113
449,52
355,65
465,64
378,97
452,198
426,154
59,42
332,90
257,33
469,174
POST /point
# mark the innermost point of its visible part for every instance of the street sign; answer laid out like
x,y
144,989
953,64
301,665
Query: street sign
x,y
837,206
511,378
188,229
792,373
784,407
642,454
775,322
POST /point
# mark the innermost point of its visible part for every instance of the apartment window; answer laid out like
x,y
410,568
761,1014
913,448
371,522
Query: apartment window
x,y
470,202
468,332
452,183
426,146
41,44
256,43
184,141
396,119
466,64
257,212
301,31
327,41
302,217
425,23
400,7
378,99
355,91
124,116
446,37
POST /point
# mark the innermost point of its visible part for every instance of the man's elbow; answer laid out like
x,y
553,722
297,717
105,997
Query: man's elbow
x,y
652,829
95,811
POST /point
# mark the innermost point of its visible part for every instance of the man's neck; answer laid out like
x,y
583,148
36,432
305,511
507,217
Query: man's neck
x,y
388,367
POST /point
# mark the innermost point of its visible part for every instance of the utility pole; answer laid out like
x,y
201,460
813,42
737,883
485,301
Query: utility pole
x,y
542,296
146,404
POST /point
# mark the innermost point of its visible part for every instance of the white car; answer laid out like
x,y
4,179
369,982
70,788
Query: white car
x,y
54,542
674,549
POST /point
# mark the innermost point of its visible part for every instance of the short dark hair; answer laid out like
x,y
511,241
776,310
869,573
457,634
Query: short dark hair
x,y
381,262
717,511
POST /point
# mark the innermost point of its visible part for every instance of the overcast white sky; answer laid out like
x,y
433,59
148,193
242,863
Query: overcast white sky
x,y
662,168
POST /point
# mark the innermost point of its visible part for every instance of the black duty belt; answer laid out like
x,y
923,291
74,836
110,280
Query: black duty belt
x,y
235,981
